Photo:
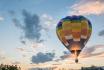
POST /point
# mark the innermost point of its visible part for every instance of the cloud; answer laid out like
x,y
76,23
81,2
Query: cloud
x,y
1,18
33,49
42,57
88,7
67,54
30,25
16,62
92,51
86,52
2,55
101,33
24,50
35,45
21,49
11,12
17,23
47,22
23,42
4,58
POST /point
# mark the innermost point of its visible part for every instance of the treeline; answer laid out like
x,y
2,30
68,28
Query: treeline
x,y
92,68
9,67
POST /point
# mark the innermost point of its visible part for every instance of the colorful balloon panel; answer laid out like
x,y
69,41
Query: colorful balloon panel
x,y
74,32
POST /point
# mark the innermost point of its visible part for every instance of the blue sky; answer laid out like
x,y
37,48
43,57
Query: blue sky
x,y
49,13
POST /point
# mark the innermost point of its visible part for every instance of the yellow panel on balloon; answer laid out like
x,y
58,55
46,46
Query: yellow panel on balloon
x,y
66,25
76,27
84,25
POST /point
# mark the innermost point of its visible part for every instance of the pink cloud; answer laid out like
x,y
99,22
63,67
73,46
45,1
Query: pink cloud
x,y
95,7
88,52
20,49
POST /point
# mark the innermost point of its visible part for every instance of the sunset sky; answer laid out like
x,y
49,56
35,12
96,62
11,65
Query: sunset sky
x,y
28,31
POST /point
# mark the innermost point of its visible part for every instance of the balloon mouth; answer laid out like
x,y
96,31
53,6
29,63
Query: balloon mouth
x,y
75,49
76,54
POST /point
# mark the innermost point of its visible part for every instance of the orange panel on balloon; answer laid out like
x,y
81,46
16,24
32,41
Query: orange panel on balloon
x,y
74,30
67,32
84,32
76,35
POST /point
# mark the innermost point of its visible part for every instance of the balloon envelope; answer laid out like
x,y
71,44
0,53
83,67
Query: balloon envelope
x,y
74,32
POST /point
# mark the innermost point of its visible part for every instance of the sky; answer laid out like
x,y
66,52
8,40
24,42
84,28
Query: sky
x,y
28,31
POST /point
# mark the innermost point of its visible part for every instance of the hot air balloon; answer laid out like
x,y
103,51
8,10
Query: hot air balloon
x,y
74,32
